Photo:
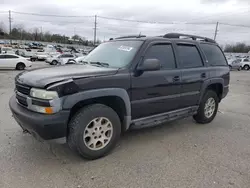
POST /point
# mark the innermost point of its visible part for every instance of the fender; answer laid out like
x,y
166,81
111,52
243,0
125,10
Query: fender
x,y
209,82
71,100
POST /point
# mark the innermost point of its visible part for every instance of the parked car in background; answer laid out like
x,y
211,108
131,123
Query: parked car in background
x,y
234,64
41,55
12,61
25,53
7,50
59,59
245,64
78,60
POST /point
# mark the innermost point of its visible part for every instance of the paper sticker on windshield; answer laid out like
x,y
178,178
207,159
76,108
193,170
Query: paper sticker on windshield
x,y
125,48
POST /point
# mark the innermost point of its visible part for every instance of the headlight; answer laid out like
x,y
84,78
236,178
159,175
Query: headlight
x,y
43,94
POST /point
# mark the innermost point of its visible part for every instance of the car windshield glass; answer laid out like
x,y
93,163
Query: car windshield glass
x,y
115,54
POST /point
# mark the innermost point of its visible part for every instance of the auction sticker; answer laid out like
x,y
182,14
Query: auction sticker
x,y
125,48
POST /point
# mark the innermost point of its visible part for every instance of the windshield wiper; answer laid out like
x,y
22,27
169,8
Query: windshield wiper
x,y
99,63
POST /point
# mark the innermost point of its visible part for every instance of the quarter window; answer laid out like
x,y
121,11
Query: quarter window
x,y
214,55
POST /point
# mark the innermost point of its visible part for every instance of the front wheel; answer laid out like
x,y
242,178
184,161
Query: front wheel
x,y
208,108
54,62
94,131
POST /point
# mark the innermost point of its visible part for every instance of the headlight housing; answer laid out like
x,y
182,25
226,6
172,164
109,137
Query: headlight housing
x,y
43,94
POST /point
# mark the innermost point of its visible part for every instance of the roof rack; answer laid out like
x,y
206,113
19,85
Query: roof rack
x,y
193,37
129,36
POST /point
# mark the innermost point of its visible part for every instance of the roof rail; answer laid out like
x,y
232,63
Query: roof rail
x,y
193,37
131,36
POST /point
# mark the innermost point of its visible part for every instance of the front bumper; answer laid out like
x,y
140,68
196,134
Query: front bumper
x,y
39,125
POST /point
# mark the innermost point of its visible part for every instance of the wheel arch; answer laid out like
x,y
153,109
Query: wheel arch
x,y
215,85
116,98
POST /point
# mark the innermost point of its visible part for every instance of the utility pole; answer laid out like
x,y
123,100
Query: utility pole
x,y
95,31
216,30
10,20
41,33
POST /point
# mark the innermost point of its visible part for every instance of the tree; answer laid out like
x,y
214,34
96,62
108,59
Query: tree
x,y
237,48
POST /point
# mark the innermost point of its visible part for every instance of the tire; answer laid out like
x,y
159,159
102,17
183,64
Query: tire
x,y
33,59
83,120
239,69
54,62
201,116
20,66
246,67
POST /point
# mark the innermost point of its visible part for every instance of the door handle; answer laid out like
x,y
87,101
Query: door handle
x,y
203,75
176,79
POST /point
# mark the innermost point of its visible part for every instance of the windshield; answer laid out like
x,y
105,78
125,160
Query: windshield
x,y
115,54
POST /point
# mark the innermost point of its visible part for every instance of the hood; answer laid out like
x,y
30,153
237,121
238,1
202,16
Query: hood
x,y
41,77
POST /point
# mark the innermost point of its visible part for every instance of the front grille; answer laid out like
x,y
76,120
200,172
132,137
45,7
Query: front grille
x,y
23,89
21,100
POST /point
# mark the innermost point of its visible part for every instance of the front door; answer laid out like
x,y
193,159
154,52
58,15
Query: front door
x,y
155,92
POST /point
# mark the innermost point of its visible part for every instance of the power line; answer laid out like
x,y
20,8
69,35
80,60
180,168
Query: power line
x,y
247,26
51,21
151,22
219,15
51,15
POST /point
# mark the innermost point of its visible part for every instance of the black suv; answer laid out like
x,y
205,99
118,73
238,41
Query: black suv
x,y
125,83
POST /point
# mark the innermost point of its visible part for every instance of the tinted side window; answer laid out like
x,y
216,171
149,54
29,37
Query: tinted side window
x,y
10,56
213,54
164,53
246,60
62,56
2,56
189,56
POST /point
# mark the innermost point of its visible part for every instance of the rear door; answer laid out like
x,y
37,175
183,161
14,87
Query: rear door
x,y
9,61
3,63
193,72
155,92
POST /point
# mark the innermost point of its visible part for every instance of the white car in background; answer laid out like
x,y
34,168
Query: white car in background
x,y
11,61
78,60
59,59
7,50
245,64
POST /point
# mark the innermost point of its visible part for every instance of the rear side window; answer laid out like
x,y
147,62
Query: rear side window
x,y
189,56
10,56
246,60
164,53
214,55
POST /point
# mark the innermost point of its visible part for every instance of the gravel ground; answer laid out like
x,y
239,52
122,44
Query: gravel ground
x,y
178,154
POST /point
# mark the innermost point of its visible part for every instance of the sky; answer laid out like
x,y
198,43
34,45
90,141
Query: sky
x,y
151,18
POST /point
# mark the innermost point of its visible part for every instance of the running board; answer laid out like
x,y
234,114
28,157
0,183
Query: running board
x,y
157,119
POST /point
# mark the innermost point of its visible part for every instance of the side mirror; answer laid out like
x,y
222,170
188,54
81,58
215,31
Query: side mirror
x,y
149,65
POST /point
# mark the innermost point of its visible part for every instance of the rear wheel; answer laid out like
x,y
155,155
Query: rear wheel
x,y
208,108
246,67
20,66
94,131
